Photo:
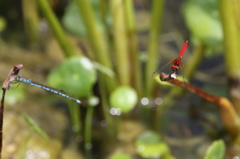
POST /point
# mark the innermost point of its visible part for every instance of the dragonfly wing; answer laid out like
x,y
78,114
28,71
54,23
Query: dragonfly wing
x,y
183,74
161,68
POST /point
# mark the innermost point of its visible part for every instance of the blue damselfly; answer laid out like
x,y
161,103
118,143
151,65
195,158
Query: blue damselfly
x,y
61,93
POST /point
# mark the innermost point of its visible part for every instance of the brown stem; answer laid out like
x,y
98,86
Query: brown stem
x,y
12,75
229,115
1,119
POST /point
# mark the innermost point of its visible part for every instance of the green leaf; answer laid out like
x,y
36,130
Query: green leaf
x,y
123,98
203,20
150,145
73,22
149,137
35,126
75,76
216,150
120,156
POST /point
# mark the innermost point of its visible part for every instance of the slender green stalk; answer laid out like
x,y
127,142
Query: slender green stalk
x,y
97,41
103,12
132,45
231,48
88,130
67,47
194,61
231,38
75,115
108,117
31,21
191,67
120,41
155,28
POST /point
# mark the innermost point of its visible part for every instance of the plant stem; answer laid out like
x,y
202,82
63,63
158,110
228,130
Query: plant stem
x,y
88,130
155,28
132,45
108,117
231,38
75,115
67,47
31,21
97,41
1,119
104,15
120,41
231,48
228,114
196,58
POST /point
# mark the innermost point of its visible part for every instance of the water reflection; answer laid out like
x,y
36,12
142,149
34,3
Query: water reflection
x,y
151,102
144,101
115,111
158,101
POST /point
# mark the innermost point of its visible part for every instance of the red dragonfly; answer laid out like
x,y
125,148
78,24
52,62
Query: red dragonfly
x,y
177,62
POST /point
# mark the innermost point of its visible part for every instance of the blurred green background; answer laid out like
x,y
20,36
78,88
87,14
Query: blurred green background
x,y
105,53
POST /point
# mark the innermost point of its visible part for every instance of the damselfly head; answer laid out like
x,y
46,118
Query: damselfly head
x,y
18,66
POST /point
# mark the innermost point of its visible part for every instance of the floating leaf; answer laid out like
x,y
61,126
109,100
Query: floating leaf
x,y
123,98
150,145
73,22
203,20
120,156
216,150
76,76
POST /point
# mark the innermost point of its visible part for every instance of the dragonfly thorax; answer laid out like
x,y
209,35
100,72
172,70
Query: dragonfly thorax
x,y
177,61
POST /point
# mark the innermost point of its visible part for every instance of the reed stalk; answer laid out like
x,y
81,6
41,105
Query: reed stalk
x,y
67,47
136,74
230,23
120,41
88,130
31,21
155,29
75,115
96,40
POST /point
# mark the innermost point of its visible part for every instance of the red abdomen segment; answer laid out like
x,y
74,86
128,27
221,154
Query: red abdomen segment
x,y
183,49
174,67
